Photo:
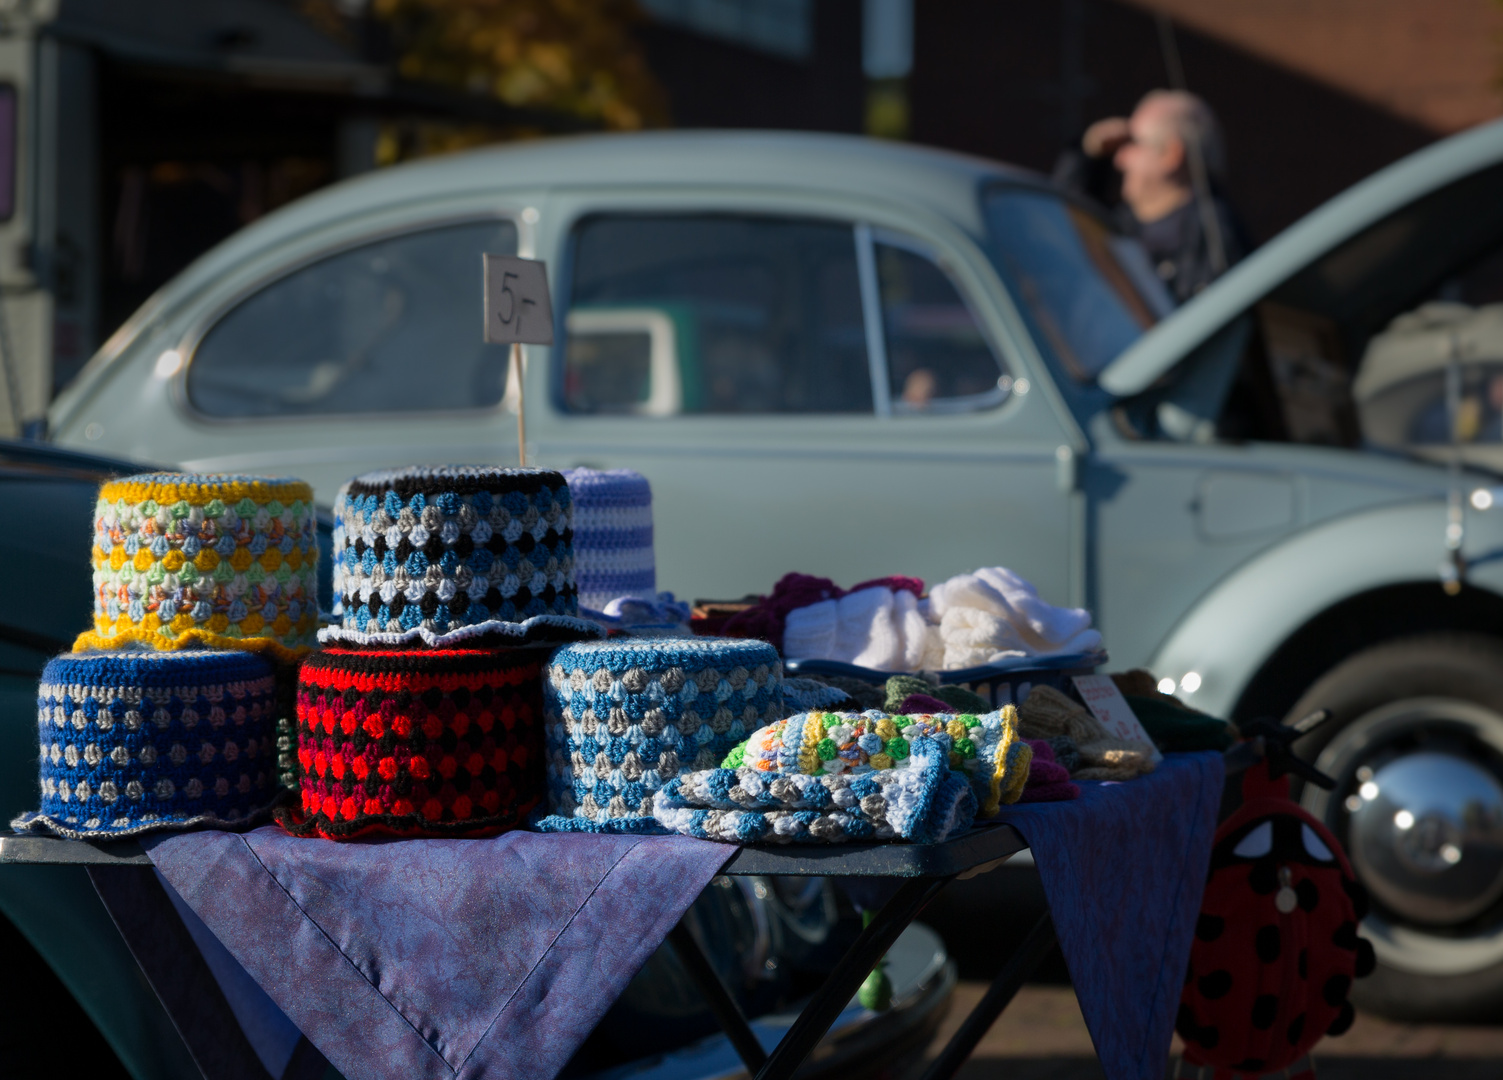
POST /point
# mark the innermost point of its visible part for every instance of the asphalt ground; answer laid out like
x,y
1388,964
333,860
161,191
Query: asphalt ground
x,y
1042,1036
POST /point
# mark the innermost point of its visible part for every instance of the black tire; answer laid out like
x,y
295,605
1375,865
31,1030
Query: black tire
x,y
1468,667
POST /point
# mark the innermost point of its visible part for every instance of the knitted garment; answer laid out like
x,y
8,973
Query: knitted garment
x,y
767,618
612,535
809,695
958,698
185,561
1048,780
141,740
985,749
454,555
993,614
1048,713
417,743
625,716
874,627
925,802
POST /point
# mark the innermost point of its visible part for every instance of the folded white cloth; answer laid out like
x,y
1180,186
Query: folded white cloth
x,y
972,619
993,614
874,628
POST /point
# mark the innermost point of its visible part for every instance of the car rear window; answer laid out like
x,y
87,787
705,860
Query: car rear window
x,y
390,326
1086,292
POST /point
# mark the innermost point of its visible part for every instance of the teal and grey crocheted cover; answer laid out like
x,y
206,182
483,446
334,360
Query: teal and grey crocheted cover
x,y
436,556
624,717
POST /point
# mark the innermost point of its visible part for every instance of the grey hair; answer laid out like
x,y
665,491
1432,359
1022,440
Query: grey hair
x,y
1192,122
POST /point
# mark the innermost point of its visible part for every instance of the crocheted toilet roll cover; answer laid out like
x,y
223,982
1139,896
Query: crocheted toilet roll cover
x,y
625,716
418,742
184,561
613,554
454,556
136,741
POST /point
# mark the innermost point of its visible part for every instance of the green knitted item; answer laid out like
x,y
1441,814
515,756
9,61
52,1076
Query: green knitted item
x,y
961,699
1177,728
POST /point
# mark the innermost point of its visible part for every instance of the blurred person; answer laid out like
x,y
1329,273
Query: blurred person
x,y
1144,167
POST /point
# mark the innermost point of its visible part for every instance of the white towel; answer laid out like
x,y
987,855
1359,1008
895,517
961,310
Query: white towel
x,y
873,628
993,614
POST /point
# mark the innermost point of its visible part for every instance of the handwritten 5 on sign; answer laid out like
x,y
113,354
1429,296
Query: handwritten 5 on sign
x,y
517,307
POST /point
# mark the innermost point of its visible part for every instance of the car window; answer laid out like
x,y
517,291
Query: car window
x,y
1086,292
937,356
714,313
391,326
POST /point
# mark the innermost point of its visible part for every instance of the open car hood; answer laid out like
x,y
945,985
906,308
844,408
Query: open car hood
x,y
1157,352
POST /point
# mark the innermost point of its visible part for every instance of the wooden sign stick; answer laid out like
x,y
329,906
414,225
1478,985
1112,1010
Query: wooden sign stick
x,y
516,363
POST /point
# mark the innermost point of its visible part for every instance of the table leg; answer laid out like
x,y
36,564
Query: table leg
x,y
718,998
841,985
177,972
1035,947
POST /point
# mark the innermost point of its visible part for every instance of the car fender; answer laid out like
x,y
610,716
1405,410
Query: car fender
x,y
1231,631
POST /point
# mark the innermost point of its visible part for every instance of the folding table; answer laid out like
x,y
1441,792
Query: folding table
x,y
122,874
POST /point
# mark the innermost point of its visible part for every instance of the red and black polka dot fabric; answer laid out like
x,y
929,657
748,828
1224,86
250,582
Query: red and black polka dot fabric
x,y
1276,945
417,743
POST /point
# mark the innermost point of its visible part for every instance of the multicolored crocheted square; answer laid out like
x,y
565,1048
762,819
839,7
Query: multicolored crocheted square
x,y
985,748
455,556
923,801
417,743
187,561
613,554
625,716
138,741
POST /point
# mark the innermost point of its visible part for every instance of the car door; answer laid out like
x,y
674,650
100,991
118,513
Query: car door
x,y
808,386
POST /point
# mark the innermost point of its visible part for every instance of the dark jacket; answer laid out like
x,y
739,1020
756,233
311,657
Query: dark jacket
x,y
1176,244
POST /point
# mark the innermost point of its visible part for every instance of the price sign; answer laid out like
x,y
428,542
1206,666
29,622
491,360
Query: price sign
x,y
517,307
1108,705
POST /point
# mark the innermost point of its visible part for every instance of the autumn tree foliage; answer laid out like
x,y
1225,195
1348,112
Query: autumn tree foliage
x,y
572,56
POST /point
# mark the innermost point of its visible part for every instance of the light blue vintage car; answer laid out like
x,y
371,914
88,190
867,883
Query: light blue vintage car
x,y
854,358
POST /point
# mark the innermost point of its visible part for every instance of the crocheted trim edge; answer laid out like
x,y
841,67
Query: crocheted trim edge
x,y
35,820
627,826
409,826
538,630
459,479
93,641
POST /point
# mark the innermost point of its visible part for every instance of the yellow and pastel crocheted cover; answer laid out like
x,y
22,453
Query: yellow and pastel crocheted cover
x,y
187,561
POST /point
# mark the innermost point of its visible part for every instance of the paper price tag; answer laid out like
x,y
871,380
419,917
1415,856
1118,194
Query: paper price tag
x,y
517,305
1108,705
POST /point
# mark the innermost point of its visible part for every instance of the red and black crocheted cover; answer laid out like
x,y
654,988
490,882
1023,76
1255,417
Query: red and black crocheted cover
x,y
417,743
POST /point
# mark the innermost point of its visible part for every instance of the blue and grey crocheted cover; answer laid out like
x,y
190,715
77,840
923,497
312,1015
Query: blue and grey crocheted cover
x,y
613,554
137,741
924,802
624,717
438,556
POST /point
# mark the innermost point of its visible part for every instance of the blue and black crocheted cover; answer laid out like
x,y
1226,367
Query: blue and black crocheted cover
x,y
136,741
437,556
624,717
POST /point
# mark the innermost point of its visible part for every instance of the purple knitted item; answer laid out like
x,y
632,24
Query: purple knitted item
x,y
919,704
1048,780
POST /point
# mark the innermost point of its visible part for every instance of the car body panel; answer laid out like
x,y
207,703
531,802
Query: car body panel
x,y
1233,630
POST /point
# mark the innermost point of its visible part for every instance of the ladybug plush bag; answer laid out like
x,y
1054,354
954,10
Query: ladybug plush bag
x,y
1276,945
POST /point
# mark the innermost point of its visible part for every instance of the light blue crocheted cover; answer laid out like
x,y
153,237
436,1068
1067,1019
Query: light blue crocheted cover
x,y
613,554
137,741
624,717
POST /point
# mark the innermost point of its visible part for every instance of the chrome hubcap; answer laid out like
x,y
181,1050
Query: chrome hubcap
x,y
1427,837
1419,804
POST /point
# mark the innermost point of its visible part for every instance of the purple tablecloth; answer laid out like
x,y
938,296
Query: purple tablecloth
x,y
469,958
440,958
1124,867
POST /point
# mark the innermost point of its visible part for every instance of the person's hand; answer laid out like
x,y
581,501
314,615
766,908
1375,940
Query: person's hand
x,y
1104,137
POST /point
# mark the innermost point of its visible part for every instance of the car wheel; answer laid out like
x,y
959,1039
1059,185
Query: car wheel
x,y
1416,749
